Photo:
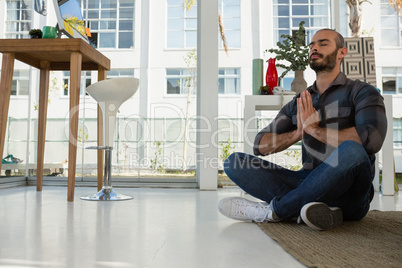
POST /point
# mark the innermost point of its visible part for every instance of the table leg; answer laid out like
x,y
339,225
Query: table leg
x,y
42,116
6,81
75,80
101,76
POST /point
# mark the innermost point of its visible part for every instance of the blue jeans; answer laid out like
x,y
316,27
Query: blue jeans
x,y
343,180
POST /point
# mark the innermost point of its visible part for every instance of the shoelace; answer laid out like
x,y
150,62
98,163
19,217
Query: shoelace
x,y
256,211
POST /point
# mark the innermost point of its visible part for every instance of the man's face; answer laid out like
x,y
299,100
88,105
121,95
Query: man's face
x,y
323,53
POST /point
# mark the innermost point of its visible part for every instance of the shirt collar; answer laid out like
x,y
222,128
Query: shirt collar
x,y
339,80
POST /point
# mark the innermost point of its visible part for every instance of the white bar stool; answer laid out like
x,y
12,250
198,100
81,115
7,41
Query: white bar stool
x,y
110,95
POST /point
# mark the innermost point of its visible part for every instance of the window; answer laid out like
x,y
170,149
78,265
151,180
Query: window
x,y
18,21
397,126
85,81
120,73
391,25
181,25
229,81
111,22
179,81
392,80
289,13
230,12
20,86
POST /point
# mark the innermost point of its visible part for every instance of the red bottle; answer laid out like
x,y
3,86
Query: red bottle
x,y
271,77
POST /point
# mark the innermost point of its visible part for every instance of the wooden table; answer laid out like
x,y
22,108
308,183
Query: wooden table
x,y
52,55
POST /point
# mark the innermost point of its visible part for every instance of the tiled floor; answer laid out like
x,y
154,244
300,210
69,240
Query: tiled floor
x,y
158,228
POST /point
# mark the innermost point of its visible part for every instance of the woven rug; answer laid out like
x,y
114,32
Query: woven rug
x,y
375,241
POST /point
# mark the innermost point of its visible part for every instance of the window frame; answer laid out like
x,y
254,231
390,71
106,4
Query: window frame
x,y
398,15
96,33
310,30
18,33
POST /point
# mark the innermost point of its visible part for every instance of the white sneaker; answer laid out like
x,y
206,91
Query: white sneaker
x,y
319,216
242,209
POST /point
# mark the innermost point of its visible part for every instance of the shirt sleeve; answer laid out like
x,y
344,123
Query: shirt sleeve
x,y
370,118
283,122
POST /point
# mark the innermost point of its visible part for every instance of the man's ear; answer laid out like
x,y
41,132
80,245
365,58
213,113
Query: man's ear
x,y
342,53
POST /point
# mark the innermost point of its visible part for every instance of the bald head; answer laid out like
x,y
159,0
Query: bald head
x,y
340,42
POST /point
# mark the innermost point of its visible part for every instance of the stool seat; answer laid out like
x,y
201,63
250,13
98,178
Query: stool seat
x,y
110,95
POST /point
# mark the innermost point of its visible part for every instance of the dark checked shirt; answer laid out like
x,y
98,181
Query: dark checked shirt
x,y
346,103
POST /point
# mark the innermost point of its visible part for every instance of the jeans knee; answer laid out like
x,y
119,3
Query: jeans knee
x,y
354,151
229,163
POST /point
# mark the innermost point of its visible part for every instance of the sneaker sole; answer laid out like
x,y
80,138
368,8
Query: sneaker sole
x,y
319,216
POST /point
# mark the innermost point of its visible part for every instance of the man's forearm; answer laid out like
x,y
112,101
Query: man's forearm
x,y
334,137
272,143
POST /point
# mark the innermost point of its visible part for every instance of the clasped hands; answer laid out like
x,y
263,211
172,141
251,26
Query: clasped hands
x,y
307,116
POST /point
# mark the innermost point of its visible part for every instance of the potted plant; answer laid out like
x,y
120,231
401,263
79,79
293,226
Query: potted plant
x,y
35,33
294,50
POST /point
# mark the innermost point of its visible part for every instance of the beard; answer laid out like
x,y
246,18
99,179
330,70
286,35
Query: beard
x,y
327,65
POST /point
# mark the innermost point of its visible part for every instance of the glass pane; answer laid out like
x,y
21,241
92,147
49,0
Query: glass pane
x,y
319,2
319,10
14,88
231,23
108,3
126,3
399,84
191,23
177,24
231,85
107,40
94,25
175,39
300,1
231,2
283,23
281,1
23,87
232,11
93,4
319,22
108,14
282,11
232,38
191,39
390,21
125,39
388,84
173,72
11,26
175,2
126,25
126,72
93,14
221,86
127,13
387,10
108,25
192,12
13,15
173,86
299,10
296,22
175,12
389,37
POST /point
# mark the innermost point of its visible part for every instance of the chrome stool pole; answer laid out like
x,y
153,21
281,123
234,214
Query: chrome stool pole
x,y
106,193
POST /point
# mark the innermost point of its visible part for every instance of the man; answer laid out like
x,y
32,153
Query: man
x,y
341,123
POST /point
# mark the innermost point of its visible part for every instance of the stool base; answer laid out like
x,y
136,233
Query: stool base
x,y
106,194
